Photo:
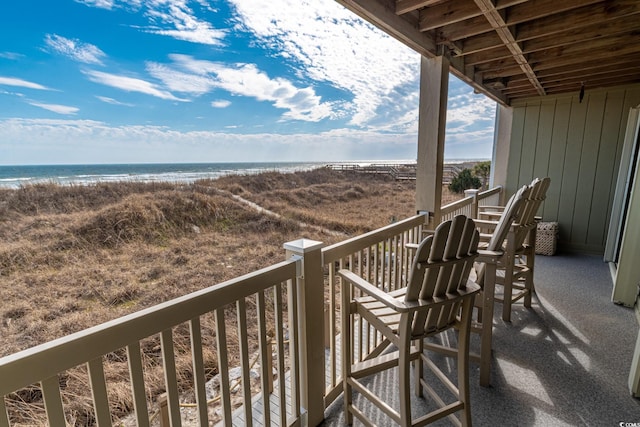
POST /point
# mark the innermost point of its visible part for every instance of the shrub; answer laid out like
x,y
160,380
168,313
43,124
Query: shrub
x,y
482,170
463,181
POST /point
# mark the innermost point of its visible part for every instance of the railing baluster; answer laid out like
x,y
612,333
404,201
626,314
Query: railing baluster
x,y
282,392
99,392
388,264
198,370
332,327
241,309
53,401
136,376
294,354
265,366
223,362
169,365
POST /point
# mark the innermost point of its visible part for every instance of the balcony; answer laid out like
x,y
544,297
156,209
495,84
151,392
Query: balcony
x,y
557,364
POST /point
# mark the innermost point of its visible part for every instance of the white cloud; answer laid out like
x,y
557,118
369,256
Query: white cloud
x,y
174,18
11,55
75,49
332,45
12,81
130,84
102,4
466,110
220,103
87,141
197,77
180,81
56,108
112,101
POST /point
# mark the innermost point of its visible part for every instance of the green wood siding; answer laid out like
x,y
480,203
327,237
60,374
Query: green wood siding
x,y
577,144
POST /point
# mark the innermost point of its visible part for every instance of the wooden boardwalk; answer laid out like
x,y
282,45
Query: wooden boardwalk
x,y
401,171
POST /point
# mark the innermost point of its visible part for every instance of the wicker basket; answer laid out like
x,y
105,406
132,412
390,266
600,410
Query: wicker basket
x,y
546,237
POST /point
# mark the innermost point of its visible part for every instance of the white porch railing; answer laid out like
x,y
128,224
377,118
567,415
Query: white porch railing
x,y
470,204
308,366
271,293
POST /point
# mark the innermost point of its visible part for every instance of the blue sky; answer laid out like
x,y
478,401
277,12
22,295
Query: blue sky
x,y
148,81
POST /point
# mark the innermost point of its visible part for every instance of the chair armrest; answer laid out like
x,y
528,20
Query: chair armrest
x,y
486,223
490,215
491,225
493,207
488,256
372,291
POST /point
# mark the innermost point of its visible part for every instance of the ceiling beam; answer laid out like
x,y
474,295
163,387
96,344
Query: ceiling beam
x,y
453,12
506,68
497,21
586,68
595,36
575,24
446,14
578,18
536,9
520,13
406,6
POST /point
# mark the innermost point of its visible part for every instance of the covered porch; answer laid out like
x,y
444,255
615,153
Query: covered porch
x,y
562,363
566,76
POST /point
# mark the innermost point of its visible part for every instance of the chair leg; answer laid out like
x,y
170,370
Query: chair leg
x,y
463,362
404,367
529,279
418,369
508,288
486,338
530,257
509,266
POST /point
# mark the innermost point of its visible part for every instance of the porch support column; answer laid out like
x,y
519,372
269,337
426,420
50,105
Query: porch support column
x,y
501,146
434,87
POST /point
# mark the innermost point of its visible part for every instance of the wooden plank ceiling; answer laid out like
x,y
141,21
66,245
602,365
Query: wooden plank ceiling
x,y
510,49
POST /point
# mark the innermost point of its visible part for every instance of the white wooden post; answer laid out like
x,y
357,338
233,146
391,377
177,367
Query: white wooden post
x,y
311,326
473,192
434,87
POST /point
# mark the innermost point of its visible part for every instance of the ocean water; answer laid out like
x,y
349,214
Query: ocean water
x,y
16,176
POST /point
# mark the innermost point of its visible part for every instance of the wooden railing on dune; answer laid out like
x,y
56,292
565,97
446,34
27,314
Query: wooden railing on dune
x,y
293,305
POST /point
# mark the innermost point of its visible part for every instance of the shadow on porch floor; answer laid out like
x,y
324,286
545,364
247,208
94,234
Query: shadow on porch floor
x,y
565,362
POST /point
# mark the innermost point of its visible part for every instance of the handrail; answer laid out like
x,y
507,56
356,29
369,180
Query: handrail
x,y
469,205
46,362
339,250
456,206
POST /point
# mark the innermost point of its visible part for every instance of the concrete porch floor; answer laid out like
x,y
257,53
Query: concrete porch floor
x,y
565,362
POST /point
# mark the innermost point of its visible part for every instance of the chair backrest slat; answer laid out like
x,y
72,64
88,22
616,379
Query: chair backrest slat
x,y
531,205
440,269
513,211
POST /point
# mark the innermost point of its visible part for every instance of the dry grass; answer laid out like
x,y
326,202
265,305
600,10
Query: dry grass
x,y
76,256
